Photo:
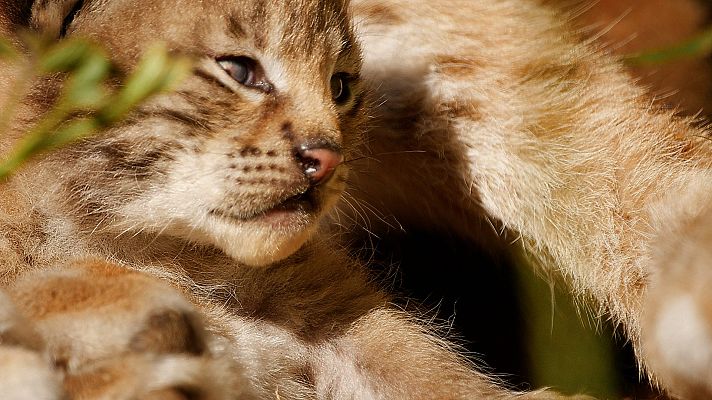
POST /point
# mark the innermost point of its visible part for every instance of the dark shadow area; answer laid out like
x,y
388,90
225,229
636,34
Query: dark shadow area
x,y
477,297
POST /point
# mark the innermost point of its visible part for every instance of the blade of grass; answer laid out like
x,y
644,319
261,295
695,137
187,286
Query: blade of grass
x,y
156,72
7,50
698,46
85,94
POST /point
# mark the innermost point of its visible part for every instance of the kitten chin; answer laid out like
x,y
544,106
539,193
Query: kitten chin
x,y
261,241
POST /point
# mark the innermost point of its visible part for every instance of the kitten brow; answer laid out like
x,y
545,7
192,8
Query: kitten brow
x,y
235,27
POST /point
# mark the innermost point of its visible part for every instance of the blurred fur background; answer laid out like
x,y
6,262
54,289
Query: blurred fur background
x,y
522,326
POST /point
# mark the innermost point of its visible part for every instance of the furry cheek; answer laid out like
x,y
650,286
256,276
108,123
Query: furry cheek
x,y
203,201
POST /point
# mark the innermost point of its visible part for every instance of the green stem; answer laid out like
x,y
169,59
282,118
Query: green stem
x,y
34,142
17,89
698,46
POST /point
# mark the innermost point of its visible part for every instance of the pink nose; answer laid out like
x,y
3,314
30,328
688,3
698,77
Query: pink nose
x,y
319,163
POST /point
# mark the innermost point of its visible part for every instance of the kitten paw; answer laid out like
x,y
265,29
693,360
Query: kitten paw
x,y
26,372
112,333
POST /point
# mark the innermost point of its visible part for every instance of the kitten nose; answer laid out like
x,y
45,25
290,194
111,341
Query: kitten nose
x,y
319,162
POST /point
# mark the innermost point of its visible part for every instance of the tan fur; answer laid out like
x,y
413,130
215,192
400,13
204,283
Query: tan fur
x,y
488,110
547,136
184,191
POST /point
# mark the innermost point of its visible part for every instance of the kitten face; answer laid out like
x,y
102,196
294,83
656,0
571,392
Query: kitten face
x,y
229,159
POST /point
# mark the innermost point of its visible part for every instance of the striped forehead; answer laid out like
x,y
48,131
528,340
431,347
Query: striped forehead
x,y
293,27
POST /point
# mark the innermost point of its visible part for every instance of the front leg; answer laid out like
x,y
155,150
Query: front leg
x,y
315,326
94,330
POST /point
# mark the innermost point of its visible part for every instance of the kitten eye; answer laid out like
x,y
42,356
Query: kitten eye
x,y
340,89
241,69
246,71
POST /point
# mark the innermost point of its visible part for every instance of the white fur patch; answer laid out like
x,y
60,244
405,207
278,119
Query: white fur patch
x,y
683,338
25,375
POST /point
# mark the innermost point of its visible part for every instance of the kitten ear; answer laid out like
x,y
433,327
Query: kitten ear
x,y
54,17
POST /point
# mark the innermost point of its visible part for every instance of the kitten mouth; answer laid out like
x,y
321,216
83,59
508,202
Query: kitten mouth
x,y
305,202
302,204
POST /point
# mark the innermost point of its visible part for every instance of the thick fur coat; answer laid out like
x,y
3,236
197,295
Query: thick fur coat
x,y
185,251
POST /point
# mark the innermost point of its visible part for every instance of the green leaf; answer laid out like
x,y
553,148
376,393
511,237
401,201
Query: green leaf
x,y
85,93
73,131
65,56
84,89
7,50
698,46
156,72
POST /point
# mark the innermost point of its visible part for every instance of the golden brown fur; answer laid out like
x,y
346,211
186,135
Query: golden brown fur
x,y
548,138
511,118
207,188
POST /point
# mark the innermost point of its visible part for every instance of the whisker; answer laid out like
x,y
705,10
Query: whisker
x,y
372,156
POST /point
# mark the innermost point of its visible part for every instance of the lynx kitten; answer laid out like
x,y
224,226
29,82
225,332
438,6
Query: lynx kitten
x,y
179,254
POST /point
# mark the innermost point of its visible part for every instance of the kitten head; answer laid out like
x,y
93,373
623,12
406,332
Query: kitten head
x,y
247,154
